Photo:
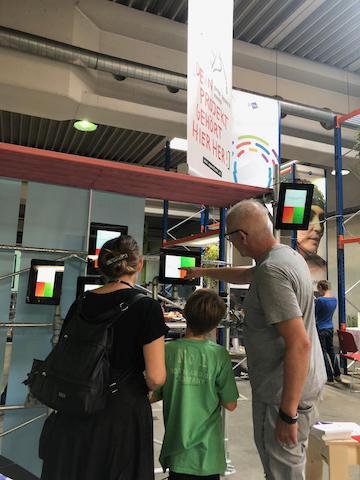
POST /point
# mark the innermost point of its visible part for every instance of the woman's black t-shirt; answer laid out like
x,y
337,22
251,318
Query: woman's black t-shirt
x,y
141,324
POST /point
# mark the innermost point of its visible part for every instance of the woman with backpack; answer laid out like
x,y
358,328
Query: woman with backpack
x,y
116,442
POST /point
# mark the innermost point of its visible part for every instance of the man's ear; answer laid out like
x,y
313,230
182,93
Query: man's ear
x,y
243,237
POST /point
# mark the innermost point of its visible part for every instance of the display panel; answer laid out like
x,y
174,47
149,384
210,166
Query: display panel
x,y
171,262
100,233
86,283
45,279
294,206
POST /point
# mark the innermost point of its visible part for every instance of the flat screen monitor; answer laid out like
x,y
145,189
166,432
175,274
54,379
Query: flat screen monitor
x,y
294,206
171,261
86,283
45,279
99,234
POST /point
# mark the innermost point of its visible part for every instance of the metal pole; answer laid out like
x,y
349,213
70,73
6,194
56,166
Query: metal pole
x,y
293,232
18,407
340,227
41,250
6,325
87,238
23,425
222,245
326,231
9,275
165,219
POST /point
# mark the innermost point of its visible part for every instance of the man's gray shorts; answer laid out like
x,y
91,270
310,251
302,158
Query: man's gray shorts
x,y
281,462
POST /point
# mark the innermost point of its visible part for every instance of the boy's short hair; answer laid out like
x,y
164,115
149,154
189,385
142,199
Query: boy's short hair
x,y
203,311
324,285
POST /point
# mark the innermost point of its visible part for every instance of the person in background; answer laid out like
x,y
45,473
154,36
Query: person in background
x,y
199,381
308,241
325,307
116,442
286,367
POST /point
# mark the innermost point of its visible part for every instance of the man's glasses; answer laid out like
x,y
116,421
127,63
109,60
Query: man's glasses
x,y
228,235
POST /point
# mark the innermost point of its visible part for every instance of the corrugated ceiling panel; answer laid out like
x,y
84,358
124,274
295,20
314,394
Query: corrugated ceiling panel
x,y
106,142
327,34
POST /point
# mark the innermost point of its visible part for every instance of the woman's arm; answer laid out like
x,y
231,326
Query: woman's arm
x,y
154,356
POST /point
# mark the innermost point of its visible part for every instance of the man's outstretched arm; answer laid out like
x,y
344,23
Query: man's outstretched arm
x,y
238,275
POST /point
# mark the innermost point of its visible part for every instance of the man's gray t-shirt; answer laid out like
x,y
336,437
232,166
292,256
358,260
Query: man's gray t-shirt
x,y
281,289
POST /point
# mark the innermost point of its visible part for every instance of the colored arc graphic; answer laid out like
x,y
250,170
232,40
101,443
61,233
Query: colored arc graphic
x,y
255,144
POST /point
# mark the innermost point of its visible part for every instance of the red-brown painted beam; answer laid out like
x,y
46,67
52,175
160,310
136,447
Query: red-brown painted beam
x,y
45,166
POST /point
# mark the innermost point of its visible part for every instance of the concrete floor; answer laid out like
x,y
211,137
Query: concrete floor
x,y
338,404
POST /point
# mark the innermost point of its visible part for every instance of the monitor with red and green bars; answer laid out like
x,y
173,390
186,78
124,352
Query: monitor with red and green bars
x,y
100,233
45,279
172,260
294,206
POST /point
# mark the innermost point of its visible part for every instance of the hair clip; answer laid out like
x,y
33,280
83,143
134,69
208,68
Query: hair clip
x,y
116,259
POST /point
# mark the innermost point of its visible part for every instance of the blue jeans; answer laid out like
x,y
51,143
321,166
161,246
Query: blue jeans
x,y
327,345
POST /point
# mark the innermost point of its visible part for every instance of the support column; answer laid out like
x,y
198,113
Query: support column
x,y
340,227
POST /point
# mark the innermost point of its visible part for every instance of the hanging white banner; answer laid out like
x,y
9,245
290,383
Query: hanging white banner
x,y
256,137
209,133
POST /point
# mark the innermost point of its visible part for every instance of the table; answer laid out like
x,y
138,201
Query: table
x,y
355,331
339,454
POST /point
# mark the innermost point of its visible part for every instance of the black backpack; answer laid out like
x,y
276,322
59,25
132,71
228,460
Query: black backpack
x,y
75,377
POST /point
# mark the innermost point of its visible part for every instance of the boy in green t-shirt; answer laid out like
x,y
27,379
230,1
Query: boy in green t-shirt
x,y
199,381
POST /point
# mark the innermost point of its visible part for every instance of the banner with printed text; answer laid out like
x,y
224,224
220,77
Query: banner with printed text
x,y
209,133
255,148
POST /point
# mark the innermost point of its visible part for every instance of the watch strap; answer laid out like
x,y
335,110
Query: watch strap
x,y
287,418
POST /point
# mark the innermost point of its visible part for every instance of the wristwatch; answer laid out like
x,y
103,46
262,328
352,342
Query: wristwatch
x,y
287,419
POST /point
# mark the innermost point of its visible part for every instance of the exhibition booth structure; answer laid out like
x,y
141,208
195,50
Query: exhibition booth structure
x,y
73,205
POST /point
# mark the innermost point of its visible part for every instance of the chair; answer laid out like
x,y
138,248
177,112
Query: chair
x,y
349,350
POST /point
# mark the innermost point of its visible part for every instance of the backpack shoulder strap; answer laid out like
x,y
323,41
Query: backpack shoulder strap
x,y
115,312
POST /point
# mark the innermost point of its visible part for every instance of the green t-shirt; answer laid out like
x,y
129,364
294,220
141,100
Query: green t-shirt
x,y
199,376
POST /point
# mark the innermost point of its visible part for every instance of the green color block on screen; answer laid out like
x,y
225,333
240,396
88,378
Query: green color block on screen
x,y
187,262
48,290
298,214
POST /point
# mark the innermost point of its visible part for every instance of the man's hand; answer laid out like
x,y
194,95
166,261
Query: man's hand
x,y
192,272
286,434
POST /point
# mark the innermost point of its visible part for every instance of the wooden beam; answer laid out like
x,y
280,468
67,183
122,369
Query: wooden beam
x,y
58,168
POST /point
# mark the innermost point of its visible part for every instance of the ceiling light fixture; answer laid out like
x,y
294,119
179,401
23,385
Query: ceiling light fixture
x,y
179,144
343,172
85,126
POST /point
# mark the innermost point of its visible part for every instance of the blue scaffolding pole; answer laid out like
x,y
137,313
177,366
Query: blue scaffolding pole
x,y
340,225
165,219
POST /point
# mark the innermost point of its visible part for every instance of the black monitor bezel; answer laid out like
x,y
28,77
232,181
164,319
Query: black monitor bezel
x,y
179,252
87,280
30,295
284,187
94,228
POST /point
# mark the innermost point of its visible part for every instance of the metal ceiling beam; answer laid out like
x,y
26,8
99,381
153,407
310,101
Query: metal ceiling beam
x,y
81,57
293,21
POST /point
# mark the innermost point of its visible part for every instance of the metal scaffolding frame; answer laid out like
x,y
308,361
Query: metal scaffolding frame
x,y
340,122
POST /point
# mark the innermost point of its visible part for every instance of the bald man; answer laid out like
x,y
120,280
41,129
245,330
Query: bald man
x,y
285,361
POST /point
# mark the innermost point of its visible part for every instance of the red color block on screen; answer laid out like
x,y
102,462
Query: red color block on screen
x,y
288,215
40,288
182,273
356,437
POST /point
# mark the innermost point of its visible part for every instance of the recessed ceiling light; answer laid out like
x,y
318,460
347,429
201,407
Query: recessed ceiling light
x,y
343,172
85,126
179,144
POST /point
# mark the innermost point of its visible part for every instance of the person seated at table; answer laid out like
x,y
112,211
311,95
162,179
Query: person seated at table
x,y
325,306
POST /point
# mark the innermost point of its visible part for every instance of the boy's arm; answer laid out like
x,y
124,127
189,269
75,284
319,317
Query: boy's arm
x,y
230,405
226,385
